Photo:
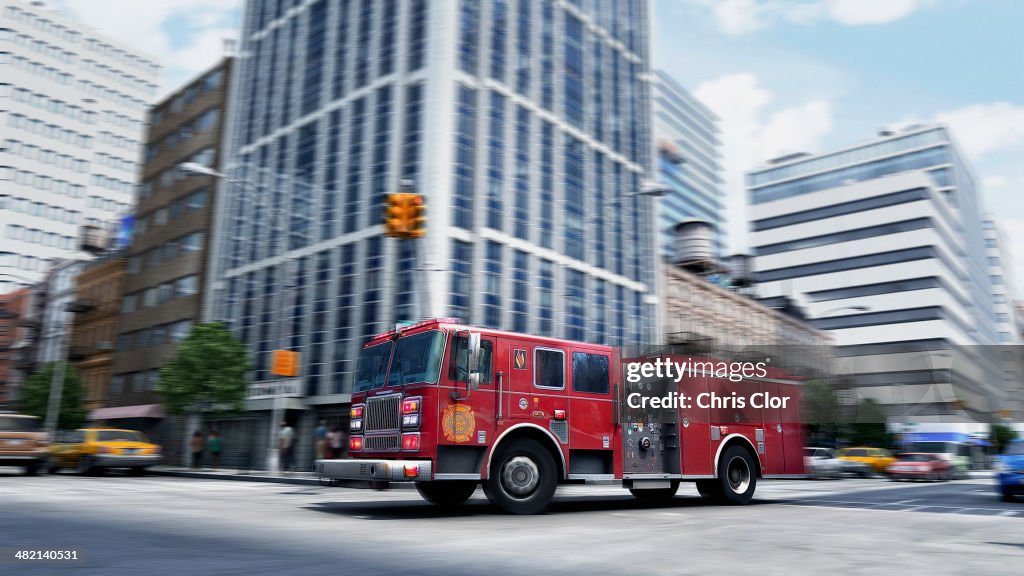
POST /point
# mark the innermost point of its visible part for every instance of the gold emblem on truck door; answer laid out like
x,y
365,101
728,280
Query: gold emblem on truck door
x,y
458,423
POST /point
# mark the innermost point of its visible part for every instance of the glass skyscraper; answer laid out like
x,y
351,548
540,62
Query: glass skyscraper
x,y
689,160
526,125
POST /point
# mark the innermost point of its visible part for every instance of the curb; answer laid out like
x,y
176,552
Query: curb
x,y
294,480
297,480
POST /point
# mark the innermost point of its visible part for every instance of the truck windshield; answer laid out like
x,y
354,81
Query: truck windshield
x,y
416,359
372,366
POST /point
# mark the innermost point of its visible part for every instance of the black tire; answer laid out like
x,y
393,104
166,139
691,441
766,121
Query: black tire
x,y
137,471
522,477
1007,497
450,494
32,469
52,468
709,490
657,494
85,466
737,476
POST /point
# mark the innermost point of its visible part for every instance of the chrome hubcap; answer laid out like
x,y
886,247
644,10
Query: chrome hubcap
x,y
520,476
738,474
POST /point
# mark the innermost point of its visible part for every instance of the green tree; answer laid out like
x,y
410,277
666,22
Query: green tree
x,y
35,396
822,411
1000,436
868,426
207,373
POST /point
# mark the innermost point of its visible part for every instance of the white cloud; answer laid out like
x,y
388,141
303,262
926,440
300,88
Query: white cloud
x,y
736,17
857,12
984,128
752,133
177,33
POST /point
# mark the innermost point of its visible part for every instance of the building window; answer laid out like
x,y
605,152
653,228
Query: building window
x,y
461,269
544,308
465,157
520,291
492,285
469,36
496,162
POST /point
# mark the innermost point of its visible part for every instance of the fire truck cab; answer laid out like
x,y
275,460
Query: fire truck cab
x,y
451,407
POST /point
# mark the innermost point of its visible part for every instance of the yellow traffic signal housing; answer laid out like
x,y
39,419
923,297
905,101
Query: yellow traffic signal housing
x,y
403,217
284,363
419,217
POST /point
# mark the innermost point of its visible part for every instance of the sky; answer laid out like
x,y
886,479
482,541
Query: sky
x,y
782,75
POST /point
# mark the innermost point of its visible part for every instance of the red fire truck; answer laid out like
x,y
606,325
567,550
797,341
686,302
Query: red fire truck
x,y
449,407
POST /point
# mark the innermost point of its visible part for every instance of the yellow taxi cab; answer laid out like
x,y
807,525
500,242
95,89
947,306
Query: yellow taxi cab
x,y
94,450
877,458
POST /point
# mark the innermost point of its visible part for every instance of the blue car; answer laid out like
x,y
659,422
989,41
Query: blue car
x,y
1010,470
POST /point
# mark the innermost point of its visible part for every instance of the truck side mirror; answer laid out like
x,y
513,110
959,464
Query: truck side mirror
x,y
473,352
474,381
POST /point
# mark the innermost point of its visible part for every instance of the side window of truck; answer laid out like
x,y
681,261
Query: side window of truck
x,y
590,373
458,369
549,368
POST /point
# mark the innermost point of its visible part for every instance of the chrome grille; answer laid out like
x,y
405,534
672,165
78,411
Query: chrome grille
x,y
379,443
382,413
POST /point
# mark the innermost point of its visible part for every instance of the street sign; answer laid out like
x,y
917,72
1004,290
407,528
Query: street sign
x,y
288,388
284,363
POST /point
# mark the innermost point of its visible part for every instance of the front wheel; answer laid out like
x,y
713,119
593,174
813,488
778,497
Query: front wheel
x,y
522,478
657,494
32,469
447,494
737,477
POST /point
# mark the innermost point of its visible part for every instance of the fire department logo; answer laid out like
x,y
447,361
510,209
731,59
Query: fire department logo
x,y
458,423
519,359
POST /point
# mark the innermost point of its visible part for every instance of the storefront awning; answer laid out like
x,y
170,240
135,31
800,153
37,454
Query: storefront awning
x,y
120,412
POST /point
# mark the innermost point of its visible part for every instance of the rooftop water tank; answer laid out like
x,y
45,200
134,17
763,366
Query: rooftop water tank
x,y
694,247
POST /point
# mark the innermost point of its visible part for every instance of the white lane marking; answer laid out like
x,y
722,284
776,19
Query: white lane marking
x,y
868,505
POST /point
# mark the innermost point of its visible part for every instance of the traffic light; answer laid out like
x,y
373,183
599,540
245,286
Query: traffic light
x,y
419,217
404,217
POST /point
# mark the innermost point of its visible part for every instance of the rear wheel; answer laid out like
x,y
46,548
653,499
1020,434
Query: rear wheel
x,y
657,494
138,471
1007,497
449,494
32,469
737,477
522,478
85,466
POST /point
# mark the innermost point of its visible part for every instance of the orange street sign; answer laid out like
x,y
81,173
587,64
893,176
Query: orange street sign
x,y
284,363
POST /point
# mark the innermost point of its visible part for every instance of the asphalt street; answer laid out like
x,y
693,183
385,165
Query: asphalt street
x,y
183,526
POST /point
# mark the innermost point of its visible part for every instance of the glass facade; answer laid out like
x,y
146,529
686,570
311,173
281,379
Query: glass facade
x,y
548,135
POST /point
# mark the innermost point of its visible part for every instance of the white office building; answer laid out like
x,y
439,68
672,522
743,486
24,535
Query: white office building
x,y
882,244
72,106
1001,279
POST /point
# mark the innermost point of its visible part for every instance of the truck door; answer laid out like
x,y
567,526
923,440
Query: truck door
x,y
468,416
591,413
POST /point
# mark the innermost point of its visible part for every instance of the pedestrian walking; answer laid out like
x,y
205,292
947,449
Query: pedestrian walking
x,y
286,441
197,449
335,439
320,440
213,443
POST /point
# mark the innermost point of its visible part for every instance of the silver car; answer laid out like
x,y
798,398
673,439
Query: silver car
x,y
822,463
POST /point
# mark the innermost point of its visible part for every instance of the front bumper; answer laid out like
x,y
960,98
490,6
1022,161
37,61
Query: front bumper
x,y
127,461
912,474
374,470
1011,482
22,459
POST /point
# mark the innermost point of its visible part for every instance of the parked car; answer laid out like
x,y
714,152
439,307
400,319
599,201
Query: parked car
x,y
95,450
921,466
958,454
22,442
877,458
1010,470
822,463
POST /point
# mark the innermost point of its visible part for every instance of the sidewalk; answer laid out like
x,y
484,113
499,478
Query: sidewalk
x,y
302,478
